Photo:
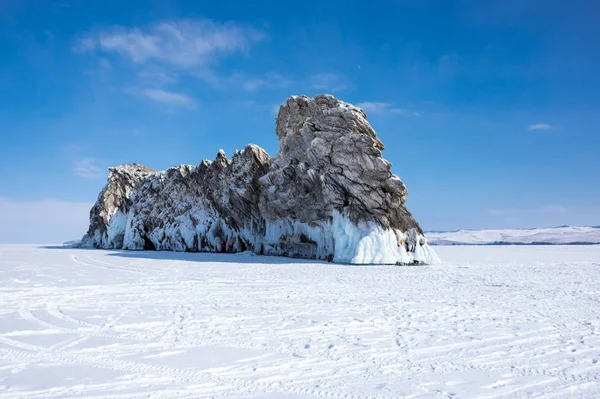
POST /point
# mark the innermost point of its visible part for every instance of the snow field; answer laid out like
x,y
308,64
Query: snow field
x,y
488,322
553,235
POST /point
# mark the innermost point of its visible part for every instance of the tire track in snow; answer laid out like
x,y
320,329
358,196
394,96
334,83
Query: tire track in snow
x,y
87,264
378,366
92,330
179,375
283,309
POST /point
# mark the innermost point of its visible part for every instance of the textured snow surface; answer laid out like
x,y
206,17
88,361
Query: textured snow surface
x,y
488,322
554,235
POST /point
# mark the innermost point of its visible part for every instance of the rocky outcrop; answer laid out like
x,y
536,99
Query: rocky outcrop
x,y
327,194
114,197
330,159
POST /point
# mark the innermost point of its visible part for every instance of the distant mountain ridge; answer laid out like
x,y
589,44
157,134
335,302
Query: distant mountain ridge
x,y
562,235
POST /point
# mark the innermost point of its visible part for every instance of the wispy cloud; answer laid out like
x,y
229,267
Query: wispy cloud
x,y
252,85
381,108
540,126
157,76
87,168
167,97
373,107
163,53
184,43
328,82
170,98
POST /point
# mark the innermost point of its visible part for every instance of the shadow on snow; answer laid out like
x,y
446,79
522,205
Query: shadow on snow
x,y
207,257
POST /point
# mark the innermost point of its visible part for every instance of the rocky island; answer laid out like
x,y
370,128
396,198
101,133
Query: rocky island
x,y
328,194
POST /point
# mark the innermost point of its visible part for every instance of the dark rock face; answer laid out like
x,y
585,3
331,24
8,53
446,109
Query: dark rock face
x,y
330,159
328,194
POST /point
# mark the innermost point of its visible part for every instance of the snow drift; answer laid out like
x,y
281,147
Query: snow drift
x,y
328,194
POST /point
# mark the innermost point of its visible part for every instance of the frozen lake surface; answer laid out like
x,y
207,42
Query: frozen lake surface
x,y
488,322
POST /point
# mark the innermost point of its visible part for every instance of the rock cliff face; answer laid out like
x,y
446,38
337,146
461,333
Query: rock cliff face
x,y
327,194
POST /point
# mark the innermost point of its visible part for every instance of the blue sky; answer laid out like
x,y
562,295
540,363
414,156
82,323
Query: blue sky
x,y
489,110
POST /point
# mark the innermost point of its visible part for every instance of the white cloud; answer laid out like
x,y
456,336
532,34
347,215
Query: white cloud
x,y
328,82
373,107
42,222
540,126
183,43
381,108
157,76
404,111
167,97
87,168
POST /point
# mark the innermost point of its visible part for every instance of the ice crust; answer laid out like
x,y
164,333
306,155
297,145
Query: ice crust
x,y
340,240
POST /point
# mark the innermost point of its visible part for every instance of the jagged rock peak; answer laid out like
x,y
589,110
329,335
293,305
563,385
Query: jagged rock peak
x,y
132,167
330,159
323,111
327,194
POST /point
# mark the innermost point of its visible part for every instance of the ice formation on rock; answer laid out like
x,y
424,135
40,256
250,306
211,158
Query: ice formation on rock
x,y
327,194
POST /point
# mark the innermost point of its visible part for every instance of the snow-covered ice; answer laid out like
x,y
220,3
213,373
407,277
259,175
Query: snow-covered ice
x,y
493,322
552,235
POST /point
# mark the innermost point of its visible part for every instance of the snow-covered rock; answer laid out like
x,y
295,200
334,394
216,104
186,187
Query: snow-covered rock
x,y
328,194
114,197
